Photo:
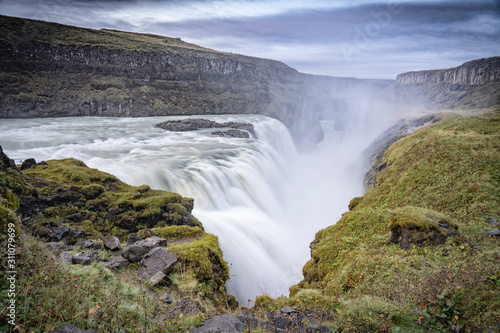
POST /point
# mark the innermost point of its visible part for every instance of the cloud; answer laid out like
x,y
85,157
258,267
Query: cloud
x,y
347,38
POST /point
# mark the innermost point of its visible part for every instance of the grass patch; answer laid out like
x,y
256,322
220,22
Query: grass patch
x,y
445,173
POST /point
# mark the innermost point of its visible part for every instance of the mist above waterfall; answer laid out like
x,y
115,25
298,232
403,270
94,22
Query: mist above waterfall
x,y
263,199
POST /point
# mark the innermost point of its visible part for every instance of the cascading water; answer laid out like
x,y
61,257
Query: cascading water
x,y
261,198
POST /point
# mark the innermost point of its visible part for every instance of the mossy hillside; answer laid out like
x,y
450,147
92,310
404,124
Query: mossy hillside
x,y
446,172
58,34
93,296
71,194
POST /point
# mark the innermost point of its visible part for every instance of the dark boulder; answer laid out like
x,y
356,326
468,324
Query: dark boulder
x,y
132,238
218,324
138,250
111,243
232,133
157,260
28,163
82,260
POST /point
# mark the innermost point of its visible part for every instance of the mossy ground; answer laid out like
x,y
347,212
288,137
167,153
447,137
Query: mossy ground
x,y
51,293
447,172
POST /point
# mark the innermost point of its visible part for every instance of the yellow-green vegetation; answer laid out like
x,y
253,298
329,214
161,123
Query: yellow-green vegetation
x,y
68,193
97,203
60,35
449,174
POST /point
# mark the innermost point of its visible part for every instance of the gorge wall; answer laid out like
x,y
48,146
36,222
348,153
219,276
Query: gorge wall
x,y
475,84
471,73
52,70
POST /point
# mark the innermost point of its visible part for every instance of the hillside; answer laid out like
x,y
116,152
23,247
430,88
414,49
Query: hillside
x,y
419,251
475,84
49,70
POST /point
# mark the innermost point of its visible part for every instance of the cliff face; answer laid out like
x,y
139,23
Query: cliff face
x,y
49,70
473,85
471,73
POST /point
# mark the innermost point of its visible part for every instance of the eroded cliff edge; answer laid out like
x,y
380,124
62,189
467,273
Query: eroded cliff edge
x,y
52,70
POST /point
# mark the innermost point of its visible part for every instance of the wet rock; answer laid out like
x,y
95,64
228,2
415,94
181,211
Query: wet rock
x,y
225,323
193,124
132,238
232,133
494,232
68,328
28,163
82,260
111,243
157,260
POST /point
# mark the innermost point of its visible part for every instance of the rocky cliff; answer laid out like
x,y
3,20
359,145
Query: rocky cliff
x,y
49,70
471,73
473,85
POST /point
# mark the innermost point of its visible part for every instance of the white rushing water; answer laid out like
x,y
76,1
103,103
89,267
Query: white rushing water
x,y
261,198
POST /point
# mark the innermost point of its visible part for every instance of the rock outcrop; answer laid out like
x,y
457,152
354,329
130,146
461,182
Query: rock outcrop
x,y
471,73
475,84
193,124
53,70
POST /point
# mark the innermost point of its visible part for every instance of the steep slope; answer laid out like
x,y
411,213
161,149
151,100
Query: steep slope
x,y
417,252
475,84
49,69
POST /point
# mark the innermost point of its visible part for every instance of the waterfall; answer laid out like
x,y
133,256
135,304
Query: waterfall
x,y
261,198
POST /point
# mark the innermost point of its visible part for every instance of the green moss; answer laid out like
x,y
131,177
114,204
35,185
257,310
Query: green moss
x,y
445,173
419,218
354,202
178,232
81,194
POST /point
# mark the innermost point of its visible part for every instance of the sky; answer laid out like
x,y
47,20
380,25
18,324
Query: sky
x,y
356,38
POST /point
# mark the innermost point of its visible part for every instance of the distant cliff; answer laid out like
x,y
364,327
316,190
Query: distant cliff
x,y
473,85
471,73
53,70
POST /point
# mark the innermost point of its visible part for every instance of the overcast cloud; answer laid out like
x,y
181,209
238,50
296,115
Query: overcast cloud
x,y
364,38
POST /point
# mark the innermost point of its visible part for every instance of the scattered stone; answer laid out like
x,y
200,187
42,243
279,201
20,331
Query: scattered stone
x,y
493,222
444,225
287,309
28,163
444,253
160,279
216,324
66,258
134,252
56,247
42,163
157,260
118,262
81,260
60,233
68,328
111,243
132,238
166,297
192,124
232,133
494,232
152,242
90,244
